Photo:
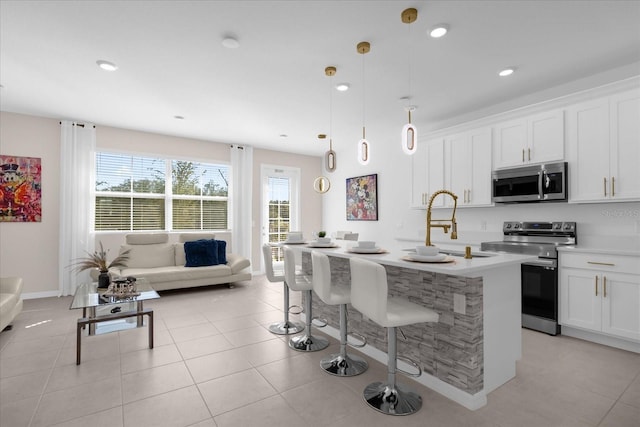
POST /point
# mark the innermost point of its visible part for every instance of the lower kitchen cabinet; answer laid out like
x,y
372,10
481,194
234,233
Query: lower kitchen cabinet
x,y
600,293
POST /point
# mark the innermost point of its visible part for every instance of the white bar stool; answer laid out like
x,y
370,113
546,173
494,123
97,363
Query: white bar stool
x,y
300,282
285,327
369,295
340,364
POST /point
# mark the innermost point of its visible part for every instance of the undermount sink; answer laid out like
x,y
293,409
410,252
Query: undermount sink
x,y
461,254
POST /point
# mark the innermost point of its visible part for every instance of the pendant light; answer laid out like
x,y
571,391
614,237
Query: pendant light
x,y
322,184
330,156
409,131
364,149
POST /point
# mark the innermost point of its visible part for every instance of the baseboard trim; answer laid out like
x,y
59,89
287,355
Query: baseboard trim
x,y
601,339
44,294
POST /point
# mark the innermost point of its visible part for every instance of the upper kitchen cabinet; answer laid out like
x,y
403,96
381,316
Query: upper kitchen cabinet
x,y
468,167
534,139
427,173
604,149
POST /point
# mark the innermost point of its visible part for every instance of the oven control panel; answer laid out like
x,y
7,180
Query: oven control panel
x,y
529,227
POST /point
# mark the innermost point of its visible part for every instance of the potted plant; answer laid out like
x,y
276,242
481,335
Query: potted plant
x,y
98,260
322,233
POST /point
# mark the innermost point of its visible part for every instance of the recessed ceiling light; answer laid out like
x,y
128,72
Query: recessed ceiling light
x,y
439,31
178,117
284,135
343,87
506,72
230,42
106,65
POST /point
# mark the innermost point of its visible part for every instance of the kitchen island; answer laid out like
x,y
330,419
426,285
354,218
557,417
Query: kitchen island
x,y
473,348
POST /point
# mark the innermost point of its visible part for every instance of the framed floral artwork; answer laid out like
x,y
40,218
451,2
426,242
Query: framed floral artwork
x,y
362,198
20,189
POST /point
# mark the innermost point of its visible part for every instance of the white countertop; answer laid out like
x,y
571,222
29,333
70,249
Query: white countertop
x,y
594,250
459,267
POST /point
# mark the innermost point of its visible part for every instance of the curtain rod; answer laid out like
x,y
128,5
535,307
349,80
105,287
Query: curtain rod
x,y
78,124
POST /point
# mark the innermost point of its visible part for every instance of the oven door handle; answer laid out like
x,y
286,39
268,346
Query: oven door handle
x,y
552,263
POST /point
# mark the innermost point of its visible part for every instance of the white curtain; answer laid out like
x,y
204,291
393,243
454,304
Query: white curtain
x,y
241,199
77,190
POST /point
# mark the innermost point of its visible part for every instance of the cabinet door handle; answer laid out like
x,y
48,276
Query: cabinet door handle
x,y
468,196
610,264
604,286
596,285
613,186
605,187
523,155
529,151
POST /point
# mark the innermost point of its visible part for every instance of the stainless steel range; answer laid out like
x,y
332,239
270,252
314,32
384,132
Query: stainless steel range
x,y
539,278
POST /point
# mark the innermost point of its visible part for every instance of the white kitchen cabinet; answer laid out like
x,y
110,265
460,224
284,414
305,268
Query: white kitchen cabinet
x,y
468,167
537,138
601,293
427,174
604,149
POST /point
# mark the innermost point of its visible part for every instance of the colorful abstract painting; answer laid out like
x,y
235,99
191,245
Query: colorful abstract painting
x,y
20,189
362,198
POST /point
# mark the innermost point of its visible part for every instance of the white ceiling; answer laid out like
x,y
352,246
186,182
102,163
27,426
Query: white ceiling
x,y
171,62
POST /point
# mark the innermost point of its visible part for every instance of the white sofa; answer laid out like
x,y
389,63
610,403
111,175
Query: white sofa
x,y
162,263
10,300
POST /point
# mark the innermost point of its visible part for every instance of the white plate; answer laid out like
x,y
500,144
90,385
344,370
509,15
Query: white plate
x,y
314,244
426,258
441,261
358,250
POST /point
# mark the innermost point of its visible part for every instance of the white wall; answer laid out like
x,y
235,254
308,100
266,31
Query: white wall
x,y
30,250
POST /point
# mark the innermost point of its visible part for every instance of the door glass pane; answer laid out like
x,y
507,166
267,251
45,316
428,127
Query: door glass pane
x,y
279,192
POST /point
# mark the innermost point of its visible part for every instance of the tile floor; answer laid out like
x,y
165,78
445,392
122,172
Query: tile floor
x,y
215,364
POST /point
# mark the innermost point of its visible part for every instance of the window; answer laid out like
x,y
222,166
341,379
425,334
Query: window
x,y
144,193
199,196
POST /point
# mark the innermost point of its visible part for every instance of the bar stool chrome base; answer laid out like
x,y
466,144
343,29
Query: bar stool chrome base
x,y
308,343
286,328
400,400
347,366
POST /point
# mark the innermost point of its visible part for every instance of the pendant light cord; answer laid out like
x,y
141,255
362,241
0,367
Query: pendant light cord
x,y
410,60
331,113
410,72
363,97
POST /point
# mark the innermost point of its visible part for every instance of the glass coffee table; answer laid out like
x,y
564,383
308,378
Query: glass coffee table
x,y
94,302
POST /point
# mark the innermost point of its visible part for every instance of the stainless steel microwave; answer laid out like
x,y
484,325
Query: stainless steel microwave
x,y
539,183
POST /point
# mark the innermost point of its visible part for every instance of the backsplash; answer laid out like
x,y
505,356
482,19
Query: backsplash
x,y
606,225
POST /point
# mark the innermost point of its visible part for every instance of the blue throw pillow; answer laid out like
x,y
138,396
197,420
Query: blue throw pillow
x,y
200,253
222,251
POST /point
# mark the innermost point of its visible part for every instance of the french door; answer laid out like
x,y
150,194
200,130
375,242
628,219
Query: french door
x,y
280,205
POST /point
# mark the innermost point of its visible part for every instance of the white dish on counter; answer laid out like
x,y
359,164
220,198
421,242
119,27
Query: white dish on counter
x,y
426,258
359,250
446,259
316,244
294,242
